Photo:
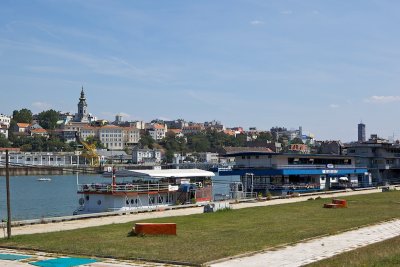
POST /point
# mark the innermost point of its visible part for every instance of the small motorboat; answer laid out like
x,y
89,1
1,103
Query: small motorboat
x,y
44,179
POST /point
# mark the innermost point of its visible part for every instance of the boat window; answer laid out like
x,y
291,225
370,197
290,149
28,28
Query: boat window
x,y
87,198
99,202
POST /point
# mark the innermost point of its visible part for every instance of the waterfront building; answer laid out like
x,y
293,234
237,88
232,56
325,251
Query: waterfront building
x,y
67,159
146,156
264,172
381,157
361,132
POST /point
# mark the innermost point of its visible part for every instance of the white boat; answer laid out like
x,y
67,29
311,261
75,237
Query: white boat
x,y
146,189
44,179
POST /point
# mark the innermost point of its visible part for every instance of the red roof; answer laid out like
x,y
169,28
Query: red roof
x,y
23,125
38,131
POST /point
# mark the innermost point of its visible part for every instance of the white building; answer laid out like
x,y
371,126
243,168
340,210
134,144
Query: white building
x,y
209,157
5,120
146,156
131,136
112,137
158,131
4,130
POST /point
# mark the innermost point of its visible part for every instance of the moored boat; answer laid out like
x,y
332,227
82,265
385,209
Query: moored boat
x,y
146,189
42,179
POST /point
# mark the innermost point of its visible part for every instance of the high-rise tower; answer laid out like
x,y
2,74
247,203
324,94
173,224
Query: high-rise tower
x,y
361,132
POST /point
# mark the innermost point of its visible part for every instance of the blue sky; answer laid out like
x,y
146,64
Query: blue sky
x,y
324,65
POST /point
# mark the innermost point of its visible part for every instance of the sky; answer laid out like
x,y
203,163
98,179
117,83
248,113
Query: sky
x,y
323,65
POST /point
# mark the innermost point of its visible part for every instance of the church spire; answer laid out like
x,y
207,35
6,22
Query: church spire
x,y
82,95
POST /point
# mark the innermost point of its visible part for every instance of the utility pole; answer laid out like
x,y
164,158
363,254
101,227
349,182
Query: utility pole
x,y
8,197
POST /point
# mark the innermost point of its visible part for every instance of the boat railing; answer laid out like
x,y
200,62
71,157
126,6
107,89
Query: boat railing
x,y
106,188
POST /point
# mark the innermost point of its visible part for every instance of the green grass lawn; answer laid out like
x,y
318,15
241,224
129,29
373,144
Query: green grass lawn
x,y
385,254
206,237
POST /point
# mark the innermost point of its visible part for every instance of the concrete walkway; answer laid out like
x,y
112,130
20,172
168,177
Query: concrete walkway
x,y
317,249
76,224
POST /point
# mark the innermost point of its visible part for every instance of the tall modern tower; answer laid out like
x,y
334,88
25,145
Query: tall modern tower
x,y
83,115
361,132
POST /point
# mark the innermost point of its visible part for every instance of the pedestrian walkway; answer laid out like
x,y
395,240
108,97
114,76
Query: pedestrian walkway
x,y
318,249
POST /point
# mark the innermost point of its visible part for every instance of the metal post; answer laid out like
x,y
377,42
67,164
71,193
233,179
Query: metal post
x,y
252,184
8,197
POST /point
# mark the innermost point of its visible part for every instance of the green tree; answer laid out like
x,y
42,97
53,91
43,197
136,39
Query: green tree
x,y
296,140
96,141
264,136
48,119
4,141
146,141
22,116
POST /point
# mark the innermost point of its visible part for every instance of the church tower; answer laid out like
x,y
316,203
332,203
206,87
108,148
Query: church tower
x,y
83,115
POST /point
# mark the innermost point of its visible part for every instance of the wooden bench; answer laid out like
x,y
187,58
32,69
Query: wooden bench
x,y
336,203
155,228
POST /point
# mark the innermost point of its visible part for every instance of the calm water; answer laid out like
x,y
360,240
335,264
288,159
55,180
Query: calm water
x,y
31,199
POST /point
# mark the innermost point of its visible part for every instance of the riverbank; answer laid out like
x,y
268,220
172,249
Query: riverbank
x,y
47,170
221,234
63,223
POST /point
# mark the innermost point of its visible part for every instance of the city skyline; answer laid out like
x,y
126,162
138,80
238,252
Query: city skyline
x,y
323,66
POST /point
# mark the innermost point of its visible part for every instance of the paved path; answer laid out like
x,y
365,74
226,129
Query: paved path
x,y
318,249
69,225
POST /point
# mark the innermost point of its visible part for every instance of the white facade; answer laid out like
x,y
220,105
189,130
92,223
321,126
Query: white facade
x,y
143,156
5,120
112,137
131,136
158,131
208,157
4,130
44,158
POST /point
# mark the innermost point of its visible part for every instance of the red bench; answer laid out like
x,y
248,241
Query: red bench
x,y
155,228
336,203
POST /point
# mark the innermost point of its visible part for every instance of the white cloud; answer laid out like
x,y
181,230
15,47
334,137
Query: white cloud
x,y
382,99
287,12
256,22
334,106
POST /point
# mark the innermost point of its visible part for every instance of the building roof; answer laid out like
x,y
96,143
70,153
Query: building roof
x,y
168,173
175,131
23,125
158,126
236,150
40,130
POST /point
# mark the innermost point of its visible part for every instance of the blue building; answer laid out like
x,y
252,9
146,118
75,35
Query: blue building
x,y
264,172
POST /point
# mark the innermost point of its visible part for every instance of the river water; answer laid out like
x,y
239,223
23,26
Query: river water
x,y
32,199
